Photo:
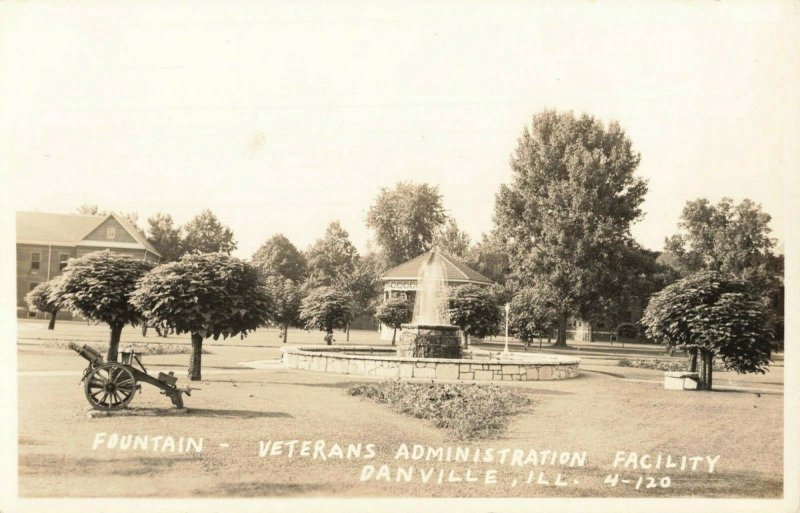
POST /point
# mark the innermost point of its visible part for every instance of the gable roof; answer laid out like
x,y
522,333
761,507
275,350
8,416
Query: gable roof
x,y
47,228
70,229
455,270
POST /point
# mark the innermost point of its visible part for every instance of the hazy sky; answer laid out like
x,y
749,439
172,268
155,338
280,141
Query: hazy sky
x,y
284,116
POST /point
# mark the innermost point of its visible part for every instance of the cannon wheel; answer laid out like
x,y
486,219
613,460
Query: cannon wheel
x,y
109,387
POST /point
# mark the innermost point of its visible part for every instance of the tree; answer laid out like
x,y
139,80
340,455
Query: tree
x,y
332,256
205,234
362,285
394,313
405,220
206,295
452,240
489,257
99,286
472,308
326,309
165,237
287,298
728,238
279,257
46,298
531,316
645,276
567,213
712,314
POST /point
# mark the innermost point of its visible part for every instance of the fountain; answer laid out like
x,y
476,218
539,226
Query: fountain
x,y
430,335
429,347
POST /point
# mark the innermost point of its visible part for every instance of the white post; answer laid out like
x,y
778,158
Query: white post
x,y
507,307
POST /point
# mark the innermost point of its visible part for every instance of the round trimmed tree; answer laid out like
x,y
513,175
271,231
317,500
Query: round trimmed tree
x,y
711,314
99,287
206,295
474,310
394,312
46,298
326,309
531,316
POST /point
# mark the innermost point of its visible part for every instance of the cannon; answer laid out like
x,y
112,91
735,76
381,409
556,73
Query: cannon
x,y
111,386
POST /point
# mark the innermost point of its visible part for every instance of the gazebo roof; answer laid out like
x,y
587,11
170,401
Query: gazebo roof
x,y
455,271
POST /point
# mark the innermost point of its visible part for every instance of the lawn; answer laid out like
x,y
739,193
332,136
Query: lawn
x,y
605,410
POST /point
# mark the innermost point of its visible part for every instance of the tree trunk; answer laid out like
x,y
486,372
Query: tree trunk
x,y
710,371
394,334
195,359
144,329
329,337
466,340
285,332
113,345
561,341
693,360
348,333
702,369
52,324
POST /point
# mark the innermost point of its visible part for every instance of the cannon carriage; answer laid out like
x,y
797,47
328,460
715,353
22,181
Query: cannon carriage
x,y
111,386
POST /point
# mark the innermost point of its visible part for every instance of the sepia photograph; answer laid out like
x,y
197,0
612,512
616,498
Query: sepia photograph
x,y
379,256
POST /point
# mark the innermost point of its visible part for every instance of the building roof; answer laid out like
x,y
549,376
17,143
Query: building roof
x,y
70,229
455,270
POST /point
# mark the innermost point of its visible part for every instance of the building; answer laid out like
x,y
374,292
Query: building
x,y
46,242
401,281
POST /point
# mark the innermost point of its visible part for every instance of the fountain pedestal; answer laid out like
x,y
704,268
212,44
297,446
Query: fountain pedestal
x,y
429,341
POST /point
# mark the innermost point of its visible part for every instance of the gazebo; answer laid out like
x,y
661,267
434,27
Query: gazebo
x,y
401,281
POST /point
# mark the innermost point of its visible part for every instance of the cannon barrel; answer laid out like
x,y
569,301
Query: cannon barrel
x,y
89,353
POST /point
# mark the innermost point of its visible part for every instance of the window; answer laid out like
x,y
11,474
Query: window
x,y
31,314
601,324
111,232
36,260
32,286
62,261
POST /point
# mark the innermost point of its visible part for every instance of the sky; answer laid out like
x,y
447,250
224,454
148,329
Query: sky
x,y
285,116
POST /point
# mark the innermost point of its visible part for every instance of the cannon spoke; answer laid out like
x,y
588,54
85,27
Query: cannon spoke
x,y
110,387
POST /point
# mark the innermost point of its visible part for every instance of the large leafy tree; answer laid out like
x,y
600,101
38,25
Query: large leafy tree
x,y
332,256
279,257
405,220
46,298
206,234
567,213
362,285
728,238
531,316
206,295
489,257
712,314
287,298
165,236
393,313
325,309
99,287
452,240
473,309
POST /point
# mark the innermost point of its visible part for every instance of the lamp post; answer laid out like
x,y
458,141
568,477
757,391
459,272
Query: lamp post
x,y
508,306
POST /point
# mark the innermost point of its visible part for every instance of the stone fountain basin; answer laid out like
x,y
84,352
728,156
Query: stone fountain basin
x,y
475,366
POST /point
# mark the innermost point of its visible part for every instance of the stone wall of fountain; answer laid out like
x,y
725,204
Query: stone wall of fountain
x,y
430,334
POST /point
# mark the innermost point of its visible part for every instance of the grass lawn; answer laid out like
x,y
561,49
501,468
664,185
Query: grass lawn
x,y
600,412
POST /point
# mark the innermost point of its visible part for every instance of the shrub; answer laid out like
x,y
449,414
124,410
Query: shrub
x,y
469,411
143,348
662,365
45,297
